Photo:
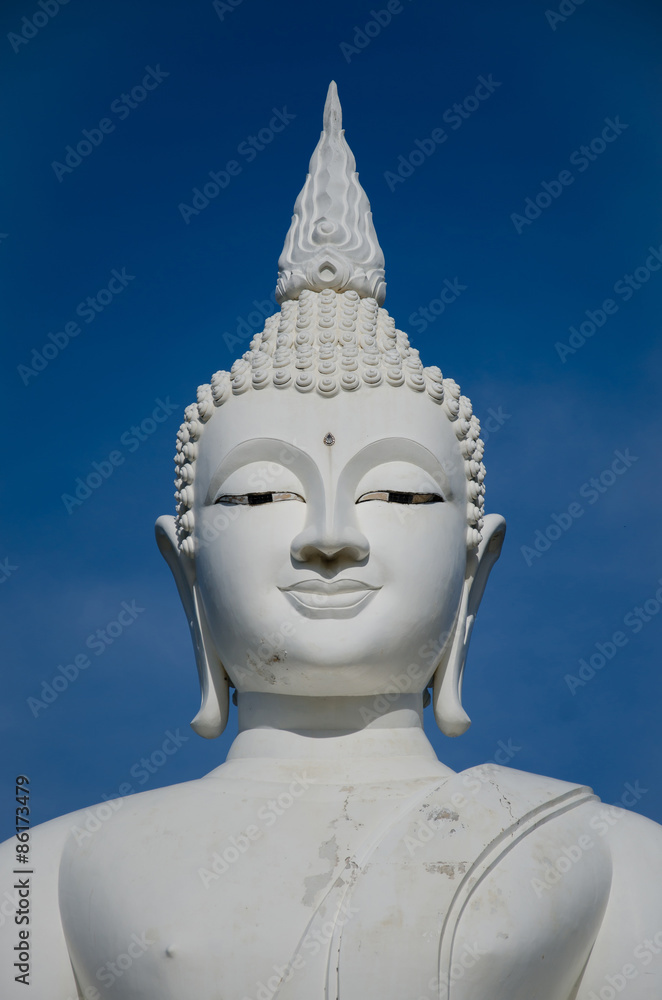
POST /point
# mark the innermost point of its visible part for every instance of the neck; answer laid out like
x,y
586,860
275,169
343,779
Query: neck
x,y
342,739
330,717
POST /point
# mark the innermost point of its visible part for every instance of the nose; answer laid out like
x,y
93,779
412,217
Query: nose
x,y
341,541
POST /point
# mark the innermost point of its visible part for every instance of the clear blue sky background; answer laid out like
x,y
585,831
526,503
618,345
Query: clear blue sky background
x,y
164,334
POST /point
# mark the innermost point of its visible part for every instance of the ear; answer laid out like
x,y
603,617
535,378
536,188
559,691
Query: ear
x,y
447,694
215,705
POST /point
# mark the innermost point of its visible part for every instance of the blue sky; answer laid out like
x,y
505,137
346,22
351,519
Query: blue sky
x,y
173,288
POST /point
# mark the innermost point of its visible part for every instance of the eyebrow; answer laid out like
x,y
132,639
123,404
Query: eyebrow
x,y
399,449
255,450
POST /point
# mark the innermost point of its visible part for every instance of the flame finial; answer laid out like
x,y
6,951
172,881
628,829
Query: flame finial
x,y
332,242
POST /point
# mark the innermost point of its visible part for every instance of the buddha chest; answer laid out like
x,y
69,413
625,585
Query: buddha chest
x,y
296,891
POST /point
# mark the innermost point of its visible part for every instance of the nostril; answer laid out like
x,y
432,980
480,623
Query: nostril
x,y
313,545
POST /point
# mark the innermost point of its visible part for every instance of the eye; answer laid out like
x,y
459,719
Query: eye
x,y
255,499
392,496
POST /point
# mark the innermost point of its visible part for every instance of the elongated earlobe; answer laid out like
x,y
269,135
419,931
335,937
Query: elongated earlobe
x,y
447,693
212,716
214,709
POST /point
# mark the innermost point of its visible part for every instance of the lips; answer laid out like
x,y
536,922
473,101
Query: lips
x,y
329,596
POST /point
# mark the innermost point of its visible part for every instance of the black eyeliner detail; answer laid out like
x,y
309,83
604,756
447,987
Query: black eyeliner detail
x,y
256,499
395,497
434,498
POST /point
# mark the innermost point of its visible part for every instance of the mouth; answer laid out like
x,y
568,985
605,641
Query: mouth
x,y
329,599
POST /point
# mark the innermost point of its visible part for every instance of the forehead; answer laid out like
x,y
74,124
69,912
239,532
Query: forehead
x,y
356,420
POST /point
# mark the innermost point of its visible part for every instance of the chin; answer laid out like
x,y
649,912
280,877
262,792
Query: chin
x,y
331,651
327,660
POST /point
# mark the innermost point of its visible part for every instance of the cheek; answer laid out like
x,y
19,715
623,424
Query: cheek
x,y
415,544
241,551
422,555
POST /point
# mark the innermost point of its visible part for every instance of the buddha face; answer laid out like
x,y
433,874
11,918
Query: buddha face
x,y
330,538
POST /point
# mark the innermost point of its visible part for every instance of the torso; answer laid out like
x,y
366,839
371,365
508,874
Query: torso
x,y
223,890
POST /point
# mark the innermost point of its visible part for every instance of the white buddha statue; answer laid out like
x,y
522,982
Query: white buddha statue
x,y
331,552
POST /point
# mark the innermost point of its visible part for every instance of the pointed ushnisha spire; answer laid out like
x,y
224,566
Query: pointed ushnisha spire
x,y
332,242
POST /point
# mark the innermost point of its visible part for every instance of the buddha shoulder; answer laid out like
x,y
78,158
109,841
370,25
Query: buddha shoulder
x,y
526,848
50,967
628,948
594,851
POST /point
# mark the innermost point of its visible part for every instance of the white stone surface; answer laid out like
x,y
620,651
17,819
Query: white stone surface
x,y
331,554
332,241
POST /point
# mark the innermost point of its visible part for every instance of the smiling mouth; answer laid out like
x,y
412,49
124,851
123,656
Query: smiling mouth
x,y
322,599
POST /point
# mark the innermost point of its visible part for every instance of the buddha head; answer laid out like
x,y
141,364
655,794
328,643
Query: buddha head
x,y
330,532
